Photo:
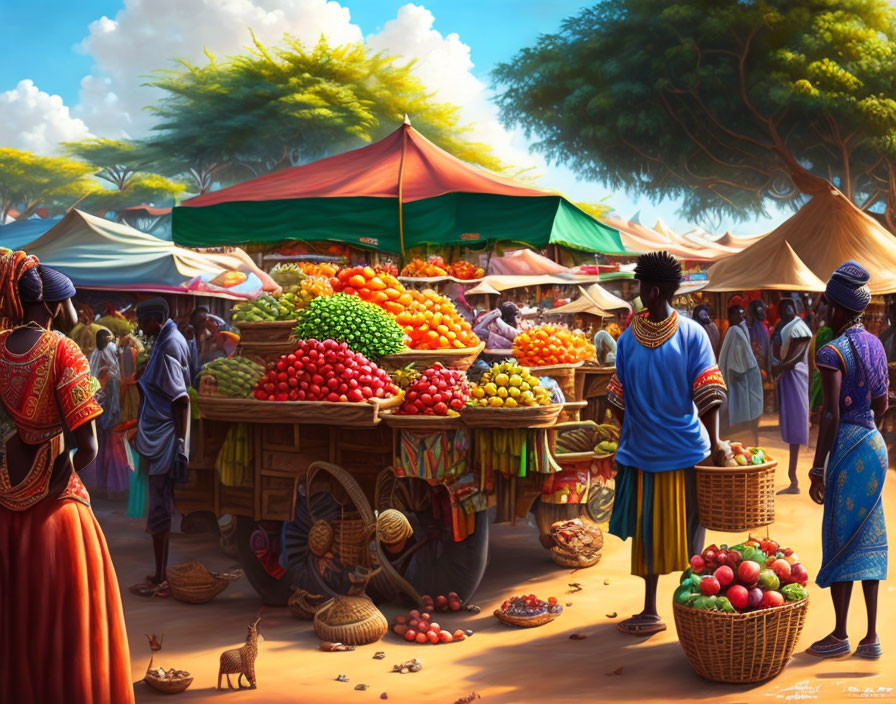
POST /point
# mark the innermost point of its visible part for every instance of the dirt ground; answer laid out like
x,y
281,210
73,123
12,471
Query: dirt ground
x,y
501,664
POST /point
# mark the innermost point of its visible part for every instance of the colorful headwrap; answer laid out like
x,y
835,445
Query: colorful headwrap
x,y
17,285
848,287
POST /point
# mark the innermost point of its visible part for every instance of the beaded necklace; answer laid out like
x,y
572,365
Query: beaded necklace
x,y
651,334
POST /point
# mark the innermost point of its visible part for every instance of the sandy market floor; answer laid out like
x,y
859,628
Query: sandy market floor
x,y
502,665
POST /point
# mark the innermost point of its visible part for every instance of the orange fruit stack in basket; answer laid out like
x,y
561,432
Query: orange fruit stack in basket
x,y
547,345
431,322
368,285
325,269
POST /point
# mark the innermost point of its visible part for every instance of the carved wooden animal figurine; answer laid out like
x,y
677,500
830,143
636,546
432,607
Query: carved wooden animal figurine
x,y
241,661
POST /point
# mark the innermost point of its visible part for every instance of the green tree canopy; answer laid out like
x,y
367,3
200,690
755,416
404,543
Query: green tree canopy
x,y
127,169
725,106
30,181
275,107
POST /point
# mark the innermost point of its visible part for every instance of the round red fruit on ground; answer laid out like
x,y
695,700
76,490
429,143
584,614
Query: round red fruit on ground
x,y
445,637
435,627
422,638
433,637
458,635
410,635
399,629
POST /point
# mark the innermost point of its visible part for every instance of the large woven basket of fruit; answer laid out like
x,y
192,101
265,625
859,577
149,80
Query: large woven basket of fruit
x,y
739,610
528,611
460,359
266,319
510,396
739,497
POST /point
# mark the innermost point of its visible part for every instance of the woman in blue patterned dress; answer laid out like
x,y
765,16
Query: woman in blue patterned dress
x,y
851,461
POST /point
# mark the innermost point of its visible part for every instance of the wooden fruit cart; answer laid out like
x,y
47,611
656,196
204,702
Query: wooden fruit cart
x,y
276,512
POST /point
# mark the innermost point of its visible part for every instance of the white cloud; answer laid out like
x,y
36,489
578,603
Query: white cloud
x,y
33,120
146,36
445,66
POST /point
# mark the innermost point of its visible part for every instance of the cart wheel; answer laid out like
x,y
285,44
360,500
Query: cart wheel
x,y
273,591
439,565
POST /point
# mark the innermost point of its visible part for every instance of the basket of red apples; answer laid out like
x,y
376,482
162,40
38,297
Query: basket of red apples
x,y
739,610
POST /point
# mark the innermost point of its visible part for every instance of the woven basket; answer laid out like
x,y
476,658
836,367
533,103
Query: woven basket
x,y
461,359
240,410
740,648
420,422
266,352
527,417
166,686
564,375
352,620
192,583
529,622
736,499
273,331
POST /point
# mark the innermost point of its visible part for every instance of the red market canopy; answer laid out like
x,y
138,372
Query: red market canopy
x,y
398,193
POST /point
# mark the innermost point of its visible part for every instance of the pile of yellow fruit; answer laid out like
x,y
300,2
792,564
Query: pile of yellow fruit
x,y
508,385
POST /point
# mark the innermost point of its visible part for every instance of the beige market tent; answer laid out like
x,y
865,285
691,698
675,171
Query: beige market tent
x,y
824,233
598,294
583,304
780,270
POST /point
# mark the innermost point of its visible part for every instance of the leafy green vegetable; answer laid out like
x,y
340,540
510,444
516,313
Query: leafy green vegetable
x,y
365,327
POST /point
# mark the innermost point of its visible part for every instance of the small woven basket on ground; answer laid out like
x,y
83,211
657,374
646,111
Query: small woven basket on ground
x,y
192,583
352,620
740,648
175,684
524,622
736,499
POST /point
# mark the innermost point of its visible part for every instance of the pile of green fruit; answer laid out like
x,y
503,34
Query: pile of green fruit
x,y
265,309
235,377
364,327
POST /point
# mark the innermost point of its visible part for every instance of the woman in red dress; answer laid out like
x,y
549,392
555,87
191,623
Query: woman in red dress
x,y
62,632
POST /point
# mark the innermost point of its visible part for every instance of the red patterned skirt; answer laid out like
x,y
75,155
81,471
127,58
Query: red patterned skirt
x,y
62,632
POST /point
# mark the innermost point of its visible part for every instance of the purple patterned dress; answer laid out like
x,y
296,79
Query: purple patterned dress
x,y
854,535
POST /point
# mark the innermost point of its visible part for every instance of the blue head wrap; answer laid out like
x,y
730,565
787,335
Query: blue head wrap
x,y
848,287
56,286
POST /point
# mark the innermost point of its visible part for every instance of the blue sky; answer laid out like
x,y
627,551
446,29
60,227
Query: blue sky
x,y
44,42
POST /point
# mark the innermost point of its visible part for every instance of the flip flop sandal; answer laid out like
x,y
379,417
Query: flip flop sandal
x,y
830,647
641,626
144,589
869,651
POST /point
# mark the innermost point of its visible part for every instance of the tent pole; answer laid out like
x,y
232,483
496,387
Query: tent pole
x,y
404,138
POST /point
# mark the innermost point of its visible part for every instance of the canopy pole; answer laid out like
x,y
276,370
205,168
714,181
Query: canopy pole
x,y
404,137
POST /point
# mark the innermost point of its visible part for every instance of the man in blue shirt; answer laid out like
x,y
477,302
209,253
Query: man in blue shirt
x,y
163,424
666,395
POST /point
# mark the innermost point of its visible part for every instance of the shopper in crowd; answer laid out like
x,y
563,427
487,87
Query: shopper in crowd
x,y
605,345
163,425
790,347
703,316
850,465
64,639
759,337
499,327
665,394
888,333
111,472
742,376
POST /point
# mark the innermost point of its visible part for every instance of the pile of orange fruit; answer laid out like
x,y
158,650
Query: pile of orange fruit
x,y
549,344
326,269
431,322
465,271
434,266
